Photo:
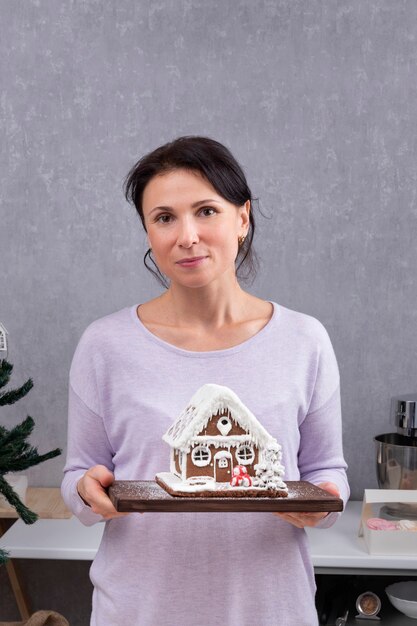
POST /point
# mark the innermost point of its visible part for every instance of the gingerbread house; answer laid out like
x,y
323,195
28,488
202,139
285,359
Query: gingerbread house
x,y
215,433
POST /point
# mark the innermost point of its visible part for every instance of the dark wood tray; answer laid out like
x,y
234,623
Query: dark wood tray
x,y
131,496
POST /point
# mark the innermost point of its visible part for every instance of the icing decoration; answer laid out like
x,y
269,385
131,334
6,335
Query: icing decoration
x,y
270,471
201,456
224,425
197,484
192,485
245,454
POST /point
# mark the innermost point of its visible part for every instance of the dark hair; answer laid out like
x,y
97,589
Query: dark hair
x,y
217,165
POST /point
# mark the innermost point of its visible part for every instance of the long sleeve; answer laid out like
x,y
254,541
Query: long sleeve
x,y
88,445
320,457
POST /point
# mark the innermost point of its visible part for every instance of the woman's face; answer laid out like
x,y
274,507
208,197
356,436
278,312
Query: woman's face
x,y
186,218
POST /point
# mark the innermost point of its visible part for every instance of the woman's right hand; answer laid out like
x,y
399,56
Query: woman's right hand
x,y
91,488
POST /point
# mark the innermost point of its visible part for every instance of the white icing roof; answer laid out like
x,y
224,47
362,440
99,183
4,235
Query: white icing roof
x,y
205,403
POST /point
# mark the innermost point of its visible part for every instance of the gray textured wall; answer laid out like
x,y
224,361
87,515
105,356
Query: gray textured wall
x,y
318,102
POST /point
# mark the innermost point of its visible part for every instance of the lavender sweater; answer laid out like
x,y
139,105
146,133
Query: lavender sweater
x,y
236,569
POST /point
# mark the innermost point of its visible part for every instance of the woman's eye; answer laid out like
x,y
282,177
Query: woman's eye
x,y
209,208
159,219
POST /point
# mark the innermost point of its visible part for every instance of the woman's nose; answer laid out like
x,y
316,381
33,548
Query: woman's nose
x,y
187,233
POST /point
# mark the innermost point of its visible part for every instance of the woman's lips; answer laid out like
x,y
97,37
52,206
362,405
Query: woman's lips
x,y
192,262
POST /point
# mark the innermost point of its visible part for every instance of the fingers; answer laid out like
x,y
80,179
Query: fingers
x,y
91,488
331,488
300,520
102,474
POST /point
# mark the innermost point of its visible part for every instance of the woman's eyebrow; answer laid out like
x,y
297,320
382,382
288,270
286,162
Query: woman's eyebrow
x,y
193,206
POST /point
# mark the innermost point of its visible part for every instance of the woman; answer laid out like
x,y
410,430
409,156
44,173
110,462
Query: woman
x,y
135,370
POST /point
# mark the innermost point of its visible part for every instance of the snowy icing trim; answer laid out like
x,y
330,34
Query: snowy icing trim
x,y
209,400
193,484
205,483
217,441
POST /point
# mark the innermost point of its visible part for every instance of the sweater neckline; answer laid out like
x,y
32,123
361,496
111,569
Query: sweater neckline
x,y
248,343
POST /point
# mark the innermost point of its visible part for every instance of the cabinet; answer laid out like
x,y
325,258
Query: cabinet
x,y
344,569
48,504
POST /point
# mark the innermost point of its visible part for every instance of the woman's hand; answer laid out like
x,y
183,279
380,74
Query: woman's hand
x,y
309,519
91,488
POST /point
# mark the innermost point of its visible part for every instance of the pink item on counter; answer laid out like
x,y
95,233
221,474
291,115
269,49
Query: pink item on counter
x,y
376,523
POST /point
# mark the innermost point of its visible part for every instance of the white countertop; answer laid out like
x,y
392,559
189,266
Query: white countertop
x,y
53,539
337,548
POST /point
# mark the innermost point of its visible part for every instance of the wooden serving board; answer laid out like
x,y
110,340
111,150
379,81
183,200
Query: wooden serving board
x,y
131,496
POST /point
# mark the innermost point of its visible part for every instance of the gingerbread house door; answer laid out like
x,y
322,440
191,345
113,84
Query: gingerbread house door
x,y
222,466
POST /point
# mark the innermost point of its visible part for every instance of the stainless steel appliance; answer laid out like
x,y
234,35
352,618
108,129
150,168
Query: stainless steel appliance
x,y
396,455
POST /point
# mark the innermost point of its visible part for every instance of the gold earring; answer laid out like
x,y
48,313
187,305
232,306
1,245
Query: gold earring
x,y
240,240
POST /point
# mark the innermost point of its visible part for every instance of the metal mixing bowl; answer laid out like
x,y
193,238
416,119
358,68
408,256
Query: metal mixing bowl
x,y
396,468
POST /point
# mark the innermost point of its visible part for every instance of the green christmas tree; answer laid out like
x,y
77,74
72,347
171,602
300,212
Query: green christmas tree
x,y
16,454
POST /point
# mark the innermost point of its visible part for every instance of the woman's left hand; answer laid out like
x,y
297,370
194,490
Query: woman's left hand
x,y
309,519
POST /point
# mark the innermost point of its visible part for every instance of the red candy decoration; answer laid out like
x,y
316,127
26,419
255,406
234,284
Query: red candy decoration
x,y
240,477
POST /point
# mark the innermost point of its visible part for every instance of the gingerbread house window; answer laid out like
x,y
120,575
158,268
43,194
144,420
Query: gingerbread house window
x,y
245,454
201,456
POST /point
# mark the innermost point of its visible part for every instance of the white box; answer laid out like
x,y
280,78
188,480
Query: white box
x,y
387,541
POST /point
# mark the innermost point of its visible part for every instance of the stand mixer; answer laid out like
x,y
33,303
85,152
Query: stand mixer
x,y
396,455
